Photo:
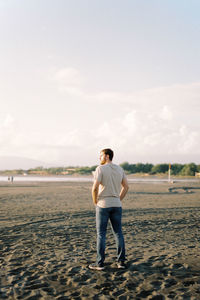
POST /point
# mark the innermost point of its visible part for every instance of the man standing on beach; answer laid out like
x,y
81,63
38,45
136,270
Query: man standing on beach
x,y
109,188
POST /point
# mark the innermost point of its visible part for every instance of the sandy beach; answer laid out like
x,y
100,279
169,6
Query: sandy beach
x,y
48,238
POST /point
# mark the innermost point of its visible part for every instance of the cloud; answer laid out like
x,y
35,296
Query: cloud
x,y
150,134
8,122
151,125
130,123
7,131
68,80
105,97
166,113
179,97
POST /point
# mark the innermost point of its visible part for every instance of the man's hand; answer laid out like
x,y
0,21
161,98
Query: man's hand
x,y
95,190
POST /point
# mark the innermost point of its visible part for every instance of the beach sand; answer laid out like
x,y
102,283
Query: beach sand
x,y
48,238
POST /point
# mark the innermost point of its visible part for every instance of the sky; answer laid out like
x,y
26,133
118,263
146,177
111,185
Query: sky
x,y
79,76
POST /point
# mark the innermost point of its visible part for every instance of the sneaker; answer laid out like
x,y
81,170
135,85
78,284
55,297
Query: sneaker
x,y
96,267
121,265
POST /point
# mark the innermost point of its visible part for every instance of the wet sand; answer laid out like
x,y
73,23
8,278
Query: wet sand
x,y
48,238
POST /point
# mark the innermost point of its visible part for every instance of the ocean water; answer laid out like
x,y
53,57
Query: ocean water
x,y
88,179
46,179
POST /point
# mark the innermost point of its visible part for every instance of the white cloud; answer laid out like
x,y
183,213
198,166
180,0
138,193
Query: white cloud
x,y
166,113
150,134
106,97
7,131
147,126
188,140
130,123
68,76
68,80
8,122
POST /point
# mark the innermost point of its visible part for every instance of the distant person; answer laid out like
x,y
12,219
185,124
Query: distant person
x,y
12,179
109,188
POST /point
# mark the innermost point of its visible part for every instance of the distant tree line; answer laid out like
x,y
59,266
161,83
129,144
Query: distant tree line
x,y
51,171
176,169
63,170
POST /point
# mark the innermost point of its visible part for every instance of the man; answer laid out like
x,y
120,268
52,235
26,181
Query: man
x,y
109,188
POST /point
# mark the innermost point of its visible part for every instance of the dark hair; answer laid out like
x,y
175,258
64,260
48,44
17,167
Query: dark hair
x,y
108,152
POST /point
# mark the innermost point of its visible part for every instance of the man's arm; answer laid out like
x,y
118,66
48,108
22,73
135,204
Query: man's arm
x,y
95,190
124,189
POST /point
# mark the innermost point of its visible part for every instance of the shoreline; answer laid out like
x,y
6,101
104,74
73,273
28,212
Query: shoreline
x,y
89,178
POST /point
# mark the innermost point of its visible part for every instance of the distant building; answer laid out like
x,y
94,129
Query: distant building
x,y
197,174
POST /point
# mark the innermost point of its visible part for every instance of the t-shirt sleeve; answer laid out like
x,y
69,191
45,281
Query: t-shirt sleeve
x,y
123,175
98,174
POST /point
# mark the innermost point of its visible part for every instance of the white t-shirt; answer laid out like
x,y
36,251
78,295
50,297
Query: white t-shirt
x,y
110,177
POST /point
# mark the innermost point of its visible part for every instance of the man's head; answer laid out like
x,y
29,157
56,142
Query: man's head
x,y
106,155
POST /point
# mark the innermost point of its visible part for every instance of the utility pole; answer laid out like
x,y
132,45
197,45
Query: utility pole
x,y
169,173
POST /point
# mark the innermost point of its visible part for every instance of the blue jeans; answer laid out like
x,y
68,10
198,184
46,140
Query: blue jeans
x,y
114,214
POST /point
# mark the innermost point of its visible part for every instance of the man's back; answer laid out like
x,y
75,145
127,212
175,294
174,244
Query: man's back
x,y
110,176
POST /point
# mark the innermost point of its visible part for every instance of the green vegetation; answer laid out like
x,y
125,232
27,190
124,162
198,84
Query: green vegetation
x,y
189,169
176,169
137,168
62,170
